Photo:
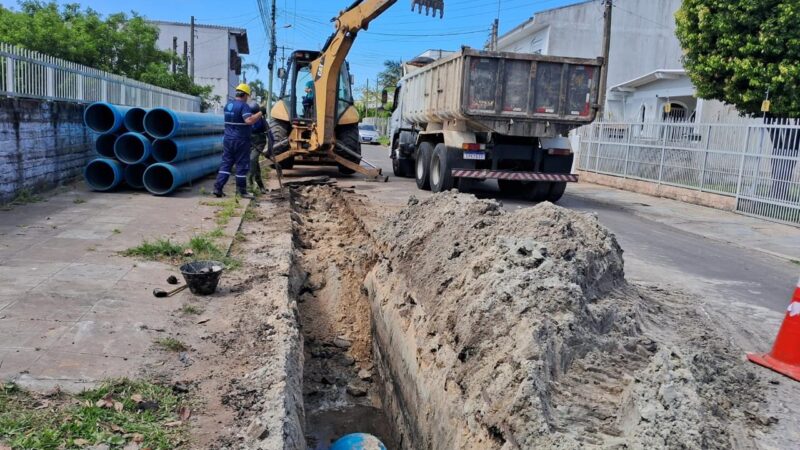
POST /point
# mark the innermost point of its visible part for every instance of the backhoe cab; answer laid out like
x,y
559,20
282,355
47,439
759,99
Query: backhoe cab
x,y
315,122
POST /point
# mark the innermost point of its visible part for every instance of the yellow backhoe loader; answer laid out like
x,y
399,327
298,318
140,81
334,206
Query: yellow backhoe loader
x,y
315,122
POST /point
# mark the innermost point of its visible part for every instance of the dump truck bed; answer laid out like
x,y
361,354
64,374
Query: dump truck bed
x,y
509,93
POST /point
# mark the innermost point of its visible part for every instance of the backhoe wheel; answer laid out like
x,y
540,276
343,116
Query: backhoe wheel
x,y
442,163
556,191
280,132
423,158
347,135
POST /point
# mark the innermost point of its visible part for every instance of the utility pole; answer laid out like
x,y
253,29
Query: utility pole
x,y
185,58
601,99
191,40
174,53
366,100
273,50
493,39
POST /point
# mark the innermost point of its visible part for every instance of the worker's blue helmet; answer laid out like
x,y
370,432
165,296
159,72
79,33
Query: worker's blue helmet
x,y
310,85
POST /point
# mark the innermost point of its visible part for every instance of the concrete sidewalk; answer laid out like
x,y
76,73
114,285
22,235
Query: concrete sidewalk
x,y
72,310
772,238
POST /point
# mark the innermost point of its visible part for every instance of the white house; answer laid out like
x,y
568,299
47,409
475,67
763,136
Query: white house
x,y
645,62
217,51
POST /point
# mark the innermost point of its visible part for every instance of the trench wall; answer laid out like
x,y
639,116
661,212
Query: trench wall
x,y
43,144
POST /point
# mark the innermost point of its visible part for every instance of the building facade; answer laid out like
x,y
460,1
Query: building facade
x,y
645,63
217,60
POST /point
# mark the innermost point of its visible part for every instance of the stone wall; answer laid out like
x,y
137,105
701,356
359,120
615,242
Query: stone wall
x,y
42,145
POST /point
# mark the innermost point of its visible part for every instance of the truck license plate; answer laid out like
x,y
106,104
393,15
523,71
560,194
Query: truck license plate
x,y
481,156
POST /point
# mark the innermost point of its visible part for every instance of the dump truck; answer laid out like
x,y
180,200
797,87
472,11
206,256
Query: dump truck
x,y
477,115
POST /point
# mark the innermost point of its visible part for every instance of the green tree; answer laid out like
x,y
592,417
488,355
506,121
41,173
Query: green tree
x,y
120,44
738,50
391,74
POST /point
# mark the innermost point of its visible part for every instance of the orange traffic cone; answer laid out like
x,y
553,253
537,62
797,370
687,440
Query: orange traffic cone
x,y
785,355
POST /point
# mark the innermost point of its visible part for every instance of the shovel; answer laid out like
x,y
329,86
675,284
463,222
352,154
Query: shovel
x,y
160,293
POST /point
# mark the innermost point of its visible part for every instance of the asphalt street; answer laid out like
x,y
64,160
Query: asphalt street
x,y
658,252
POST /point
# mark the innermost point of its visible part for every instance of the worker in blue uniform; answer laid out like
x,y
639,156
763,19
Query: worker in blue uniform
x,y
239,119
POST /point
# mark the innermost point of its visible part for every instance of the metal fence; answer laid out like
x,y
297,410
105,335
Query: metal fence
x,y
25,73
756,164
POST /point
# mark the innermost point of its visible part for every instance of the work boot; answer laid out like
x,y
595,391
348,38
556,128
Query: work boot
x,y
219,194
246,195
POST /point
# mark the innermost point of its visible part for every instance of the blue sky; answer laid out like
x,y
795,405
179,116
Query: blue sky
x,y
397,34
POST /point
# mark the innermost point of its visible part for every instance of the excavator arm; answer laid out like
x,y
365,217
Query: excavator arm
x,y
326,68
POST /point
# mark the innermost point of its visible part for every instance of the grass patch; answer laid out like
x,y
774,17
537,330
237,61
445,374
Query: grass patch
x,y
228,209
216,233
117,413
239,237
161,248
383,140
795,262
191,310
249,214
171,344
116,231
24,197
78,201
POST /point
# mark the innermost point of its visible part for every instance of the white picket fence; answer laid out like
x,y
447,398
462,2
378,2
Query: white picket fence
x,y
28,74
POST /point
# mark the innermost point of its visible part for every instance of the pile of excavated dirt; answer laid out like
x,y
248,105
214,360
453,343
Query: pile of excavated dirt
x,y
519,330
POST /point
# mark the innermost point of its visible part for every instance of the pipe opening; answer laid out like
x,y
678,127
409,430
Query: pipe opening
x,y
100,117
159,123
165,150
100,175
104,145
134,120
130,148
134,175
158,179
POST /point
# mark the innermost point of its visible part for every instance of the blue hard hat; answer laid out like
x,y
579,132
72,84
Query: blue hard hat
x,y
358,441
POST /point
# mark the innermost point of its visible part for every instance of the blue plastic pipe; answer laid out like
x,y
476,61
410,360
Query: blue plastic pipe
x,y
134,175
103,117
162,123
134,119
181,149
104,145
104,174
133,148
358,441
163,179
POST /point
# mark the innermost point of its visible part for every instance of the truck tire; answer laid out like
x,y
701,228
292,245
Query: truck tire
x,y
537,191
280,132
556,191
402,167
442,163
348,136
510,187
423,165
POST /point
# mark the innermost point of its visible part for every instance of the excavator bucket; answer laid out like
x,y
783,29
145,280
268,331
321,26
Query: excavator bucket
x,y
435,5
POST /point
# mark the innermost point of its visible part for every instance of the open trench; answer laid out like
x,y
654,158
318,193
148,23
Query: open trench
x,y
457,325
341,383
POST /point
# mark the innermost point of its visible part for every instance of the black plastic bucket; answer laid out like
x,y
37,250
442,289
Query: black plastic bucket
x,y
202,277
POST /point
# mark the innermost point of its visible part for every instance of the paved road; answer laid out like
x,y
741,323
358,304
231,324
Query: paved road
x,y
659,252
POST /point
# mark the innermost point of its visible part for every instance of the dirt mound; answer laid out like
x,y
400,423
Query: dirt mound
x,y
518,330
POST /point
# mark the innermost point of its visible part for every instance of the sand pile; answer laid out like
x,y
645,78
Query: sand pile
x,y
518,330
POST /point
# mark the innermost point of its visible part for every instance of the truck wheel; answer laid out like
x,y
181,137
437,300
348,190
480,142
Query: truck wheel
x,y
403,167
537,191
556,191
441,174
422,172
348,136
510,187
280,132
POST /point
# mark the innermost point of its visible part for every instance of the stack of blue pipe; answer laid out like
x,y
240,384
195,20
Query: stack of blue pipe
x,y
159,149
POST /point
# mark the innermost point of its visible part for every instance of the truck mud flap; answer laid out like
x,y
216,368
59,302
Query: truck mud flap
x,y
519,176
